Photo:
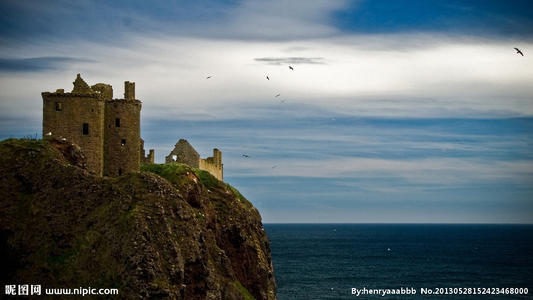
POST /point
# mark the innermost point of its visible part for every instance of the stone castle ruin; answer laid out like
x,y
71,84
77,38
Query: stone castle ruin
x,y
184,153
108,130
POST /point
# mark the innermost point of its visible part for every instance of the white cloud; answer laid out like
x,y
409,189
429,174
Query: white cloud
x,y
432,171
401,75
276,20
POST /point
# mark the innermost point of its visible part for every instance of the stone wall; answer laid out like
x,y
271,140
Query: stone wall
x,y
146,159
209,166
105,90
129,90
184,153
64,116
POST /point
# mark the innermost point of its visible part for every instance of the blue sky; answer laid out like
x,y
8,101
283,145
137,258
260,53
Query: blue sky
x,y
396,111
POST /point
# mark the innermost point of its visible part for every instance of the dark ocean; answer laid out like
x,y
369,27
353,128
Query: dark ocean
x,y
325,261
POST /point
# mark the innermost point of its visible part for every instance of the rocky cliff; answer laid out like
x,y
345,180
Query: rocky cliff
x,y
168,232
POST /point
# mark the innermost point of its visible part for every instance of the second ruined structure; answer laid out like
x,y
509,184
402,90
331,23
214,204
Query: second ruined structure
x,y
184,153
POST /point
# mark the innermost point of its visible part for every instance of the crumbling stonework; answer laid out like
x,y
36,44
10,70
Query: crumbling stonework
x,y
146,159
106,129
106,90
213,164
184,153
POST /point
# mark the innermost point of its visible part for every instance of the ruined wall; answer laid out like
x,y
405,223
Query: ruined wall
x,y
146,159
150,158
184,153
64,116
122,137
105,90
213,164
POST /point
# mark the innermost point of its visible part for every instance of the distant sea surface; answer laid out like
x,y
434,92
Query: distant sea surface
x,y
325,261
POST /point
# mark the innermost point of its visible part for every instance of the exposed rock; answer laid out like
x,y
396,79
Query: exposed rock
x,y
148,236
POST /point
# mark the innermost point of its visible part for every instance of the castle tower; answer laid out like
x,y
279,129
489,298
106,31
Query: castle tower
x,y
122,133
106,129
77,116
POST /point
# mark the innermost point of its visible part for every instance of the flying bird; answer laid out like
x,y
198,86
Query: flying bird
x,y
518,51
273,167
282,101
208,77
244,155
268,78
291,68
277,95
49,133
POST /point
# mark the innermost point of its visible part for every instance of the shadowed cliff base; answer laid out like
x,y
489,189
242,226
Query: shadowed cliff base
x,y
168,232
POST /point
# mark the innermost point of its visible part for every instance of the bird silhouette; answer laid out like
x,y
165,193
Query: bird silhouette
x,y
268,78
244,155
282,101
277,95
273,167
208,77
518,51
291,68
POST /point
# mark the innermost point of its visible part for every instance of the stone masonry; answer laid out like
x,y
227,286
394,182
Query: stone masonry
x,y
106,129
184,153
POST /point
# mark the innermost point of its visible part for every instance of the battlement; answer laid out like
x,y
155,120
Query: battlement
x,y
107,129
184,153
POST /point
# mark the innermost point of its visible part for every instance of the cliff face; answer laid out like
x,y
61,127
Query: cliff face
x,y
181,234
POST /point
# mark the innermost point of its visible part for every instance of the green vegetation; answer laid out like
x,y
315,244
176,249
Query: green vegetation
x,y
244,292
208,180
26,143
174,173
171,172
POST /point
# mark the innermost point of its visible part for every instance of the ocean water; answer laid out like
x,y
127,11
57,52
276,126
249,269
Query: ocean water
x,y
325,261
